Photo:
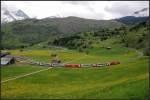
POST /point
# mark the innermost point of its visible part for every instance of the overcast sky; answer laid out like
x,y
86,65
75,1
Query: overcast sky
x,y
85,9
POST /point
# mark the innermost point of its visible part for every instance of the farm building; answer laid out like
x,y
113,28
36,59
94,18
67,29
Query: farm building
x,y
4,54
108,48
7,59
55,59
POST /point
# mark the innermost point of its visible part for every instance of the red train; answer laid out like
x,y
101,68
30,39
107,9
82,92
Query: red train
x,y
93,65
72,65
79,65
114,63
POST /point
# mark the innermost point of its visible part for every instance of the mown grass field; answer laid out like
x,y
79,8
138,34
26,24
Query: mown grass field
x,y
129,80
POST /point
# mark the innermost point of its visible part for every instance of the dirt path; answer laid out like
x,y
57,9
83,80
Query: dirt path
x,y
28,74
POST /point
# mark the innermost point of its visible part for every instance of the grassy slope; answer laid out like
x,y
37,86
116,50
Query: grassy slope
x,y
121,81
96,55
127,80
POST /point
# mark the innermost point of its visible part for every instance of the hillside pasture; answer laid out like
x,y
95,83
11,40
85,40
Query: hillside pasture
x,y
131,80
128,80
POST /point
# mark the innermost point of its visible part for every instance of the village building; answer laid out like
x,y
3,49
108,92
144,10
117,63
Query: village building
x,y
55,59
7,59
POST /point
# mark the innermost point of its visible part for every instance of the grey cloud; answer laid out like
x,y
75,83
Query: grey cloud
x,y
77,2
122,9
100,16
11,7
126,9
87,4
90,8
142,10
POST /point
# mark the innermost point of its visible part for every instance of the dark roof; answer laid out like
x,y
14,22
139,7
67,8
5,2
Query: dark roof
x,y
4,54
8,56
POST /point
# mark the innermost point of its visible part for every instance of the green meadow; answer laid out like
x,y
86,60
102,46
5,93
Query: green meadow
x,y
128,80
112,36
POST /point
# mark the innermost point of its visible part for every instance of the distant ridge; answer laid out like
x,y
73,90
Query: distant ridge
x,y
130,20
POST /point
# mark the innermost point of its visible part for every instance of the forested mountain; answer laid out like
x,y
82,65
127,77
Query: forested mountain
x,y
74,32
31,31
131,20
136,37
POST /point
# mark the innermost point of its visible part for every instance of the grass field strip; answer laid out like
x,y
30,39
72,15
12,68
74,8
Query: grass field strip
x,y
20,76
30,61
76,60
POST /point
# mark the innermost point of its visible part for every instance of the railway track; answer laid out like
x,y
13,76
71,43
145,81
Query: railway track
x,y
32,62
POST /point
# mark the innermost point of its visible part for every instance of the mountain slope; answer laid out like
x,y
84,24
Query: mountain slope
x,y
31,31
138,37
131,20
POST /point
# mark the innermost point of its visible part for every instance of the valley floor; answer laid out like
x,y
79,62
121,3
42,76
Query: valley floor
x,y
129,80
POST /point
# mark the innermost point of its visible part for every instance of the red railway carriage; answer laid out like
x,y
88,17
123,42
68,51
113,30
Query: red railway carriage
x,y
114,63
73,65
